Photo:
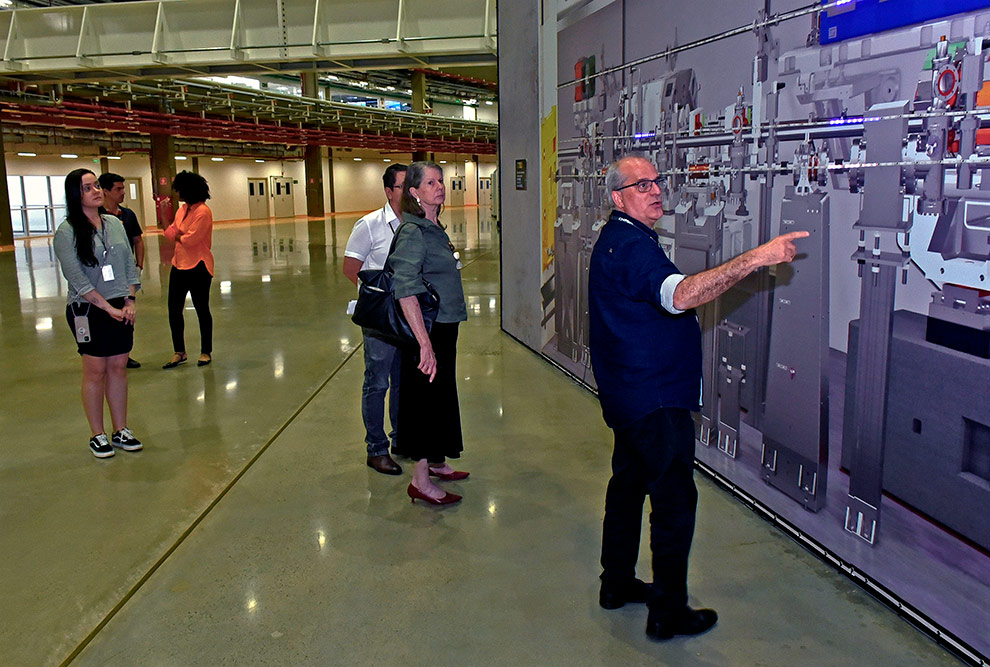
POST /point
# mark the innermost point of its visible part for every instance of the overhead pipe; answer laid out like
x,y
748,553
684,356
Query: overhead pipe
x,y
139,121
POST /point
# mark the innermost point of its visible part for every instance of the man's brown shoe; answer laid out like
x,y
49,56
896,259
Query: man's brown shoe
x,y
384,464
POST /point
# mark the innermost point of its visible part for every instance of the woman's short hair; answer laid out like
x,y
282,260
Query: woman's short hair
x,y
192,187
81,225
414,178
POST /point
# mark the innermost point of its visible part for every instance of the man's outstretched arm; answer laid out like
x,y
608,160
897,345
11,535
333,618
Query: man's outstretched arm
x,y
708,285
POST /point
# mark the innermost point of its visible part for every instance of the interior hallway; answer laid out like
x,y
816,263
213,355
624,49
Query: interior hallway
x,y
250,531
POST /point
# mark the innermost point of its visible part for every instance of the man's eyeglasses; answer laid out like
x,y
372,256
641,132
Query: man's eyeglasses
x,y
643,185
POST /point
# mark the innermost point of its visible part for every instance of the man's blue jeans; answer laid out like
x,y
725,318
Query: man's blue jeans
x,y
381,368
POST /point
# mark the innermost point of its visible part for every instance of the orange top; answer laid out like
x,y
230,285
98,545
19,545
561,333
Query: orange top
x,y
192,232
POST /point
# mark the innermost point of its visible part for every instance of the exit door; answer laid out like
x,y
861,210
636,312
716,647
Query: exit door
x,y
283,205
258,199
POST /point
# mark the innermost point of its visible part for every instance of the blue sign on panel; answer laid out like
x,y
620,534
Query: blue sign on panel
x,y
854,18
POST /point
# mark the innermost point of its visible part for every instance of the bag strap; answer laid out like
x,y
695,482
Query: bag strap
x,y
391,248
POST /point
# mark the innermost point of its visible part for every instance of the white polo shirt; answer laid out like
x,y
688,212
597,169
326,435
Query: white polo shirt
x,y
371,237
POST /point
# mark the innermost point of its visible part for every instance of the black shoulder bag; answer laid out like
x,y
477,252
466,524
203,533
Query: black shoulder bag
x,y
379,310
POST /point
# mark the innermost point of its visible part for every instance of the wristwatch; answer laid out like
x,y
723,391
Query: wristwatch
x,y
130,298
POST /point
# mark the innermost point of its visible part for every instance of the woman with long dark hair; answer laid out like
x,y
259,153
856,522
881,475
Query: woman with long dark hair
x,y
96,259
428,409
192,266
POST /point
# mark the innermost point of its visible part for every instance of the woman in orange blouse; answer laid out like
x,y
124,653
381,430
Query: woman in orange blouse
x,y
192,265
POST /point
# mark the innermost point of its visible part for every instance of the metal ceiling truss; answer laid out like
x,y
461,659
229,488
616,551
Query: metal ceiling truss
x,y
165,38
120,143
205,110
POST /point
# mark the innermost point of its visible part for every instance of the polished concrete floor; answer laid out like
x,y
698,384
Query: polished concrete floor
x,y
249,531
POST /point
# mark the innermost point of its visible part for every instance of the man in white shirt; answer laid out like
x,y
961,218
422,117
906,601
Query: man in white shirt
x,y
367,248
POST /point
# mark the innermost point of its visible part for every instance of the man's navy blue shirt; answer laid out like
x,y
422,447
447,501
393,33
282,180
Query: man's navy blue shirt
x,y
644,357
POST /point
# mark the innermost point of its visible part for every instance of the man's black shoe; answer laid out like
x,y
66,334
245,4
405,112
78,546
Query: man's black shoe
x,y
686,622
384,464
613,597
132,364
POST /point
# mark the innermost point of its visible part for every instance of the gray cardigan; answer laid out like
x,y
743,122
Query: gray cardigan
x,y
83,279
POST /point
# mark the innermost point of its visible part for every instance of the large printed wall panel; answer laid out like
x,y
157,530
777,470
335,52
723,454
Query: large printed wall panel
x,y
847,392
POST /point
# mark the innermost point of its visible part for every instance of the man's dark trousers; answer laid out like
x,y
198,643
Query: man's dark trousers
x,y
655,456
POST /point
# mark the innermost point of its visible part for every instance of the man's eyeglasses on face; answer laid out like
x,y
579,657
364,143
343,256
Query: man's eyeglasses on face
x,y
643,185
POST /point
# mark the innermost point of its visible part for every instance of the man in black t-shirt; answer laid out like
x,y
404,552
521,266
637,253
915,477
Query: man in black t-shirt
x,y
113,195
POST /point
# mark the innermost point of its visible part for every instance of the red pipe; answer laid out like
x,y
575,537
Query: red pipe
x,y
136,121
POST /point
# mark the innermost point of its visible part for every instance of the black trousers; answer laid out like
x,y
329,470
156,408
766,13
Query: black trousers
x,y
429,414
195,281
655,457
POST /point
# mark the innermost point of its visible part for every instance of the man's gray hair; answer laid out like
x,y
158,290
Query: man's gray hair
x,y
614,177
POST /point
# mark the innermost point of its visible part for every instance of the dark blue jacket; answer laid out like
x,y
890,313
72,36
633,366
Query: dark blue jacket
x,y
644,357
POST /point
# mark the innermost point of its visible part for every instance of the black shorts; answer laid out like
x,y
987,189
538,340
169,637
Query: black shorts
x,y
108,337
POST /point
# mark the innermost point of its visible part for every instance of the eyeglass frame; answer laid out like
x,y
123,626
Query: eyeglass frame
x,y
641,183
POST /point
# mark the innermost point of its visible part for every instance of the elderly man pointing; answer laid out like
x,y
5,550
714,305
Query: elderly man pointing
x,y
646,354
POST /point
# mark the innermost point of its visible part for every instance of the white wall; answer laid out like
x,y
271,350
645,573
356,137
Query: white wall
x,y
227,179
358,185
131,166
228,183
488,113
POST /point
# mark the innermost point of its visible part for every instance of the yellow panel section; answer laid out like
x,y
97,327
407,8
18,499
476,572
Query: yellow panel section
x,y
548,172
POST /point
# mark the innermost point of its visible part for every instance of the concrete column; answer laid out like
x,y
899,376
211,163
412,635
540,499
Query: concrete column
x,y
314,181
310,85
195,165
419,92
477,179
104,162
333,201
6,226
162,174
418,87
313,157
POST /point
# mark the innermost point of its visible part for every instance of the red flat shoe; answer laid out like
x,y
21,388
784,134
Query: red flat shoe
x,y
447,499
449,476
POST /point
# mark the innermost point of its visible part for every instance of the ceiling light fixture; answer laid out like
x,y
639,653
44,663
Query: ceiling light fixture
x,y
28,154
69,156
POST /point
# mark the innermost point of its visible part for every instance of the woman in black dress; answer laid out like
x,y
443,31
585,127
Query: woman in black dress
x,y
428,410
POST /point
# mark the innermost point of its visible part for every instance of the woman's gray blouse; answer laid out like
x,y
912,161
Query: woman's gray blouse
x,y
118,256
422,251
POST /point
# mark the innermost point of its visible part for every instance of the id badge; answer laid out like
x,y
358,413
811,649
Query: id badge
x,y
81,325
107,273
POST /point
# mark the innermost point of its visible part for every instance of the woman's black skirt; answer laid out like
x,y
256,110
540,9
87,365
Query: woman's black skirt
x,y
429,416
107,336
